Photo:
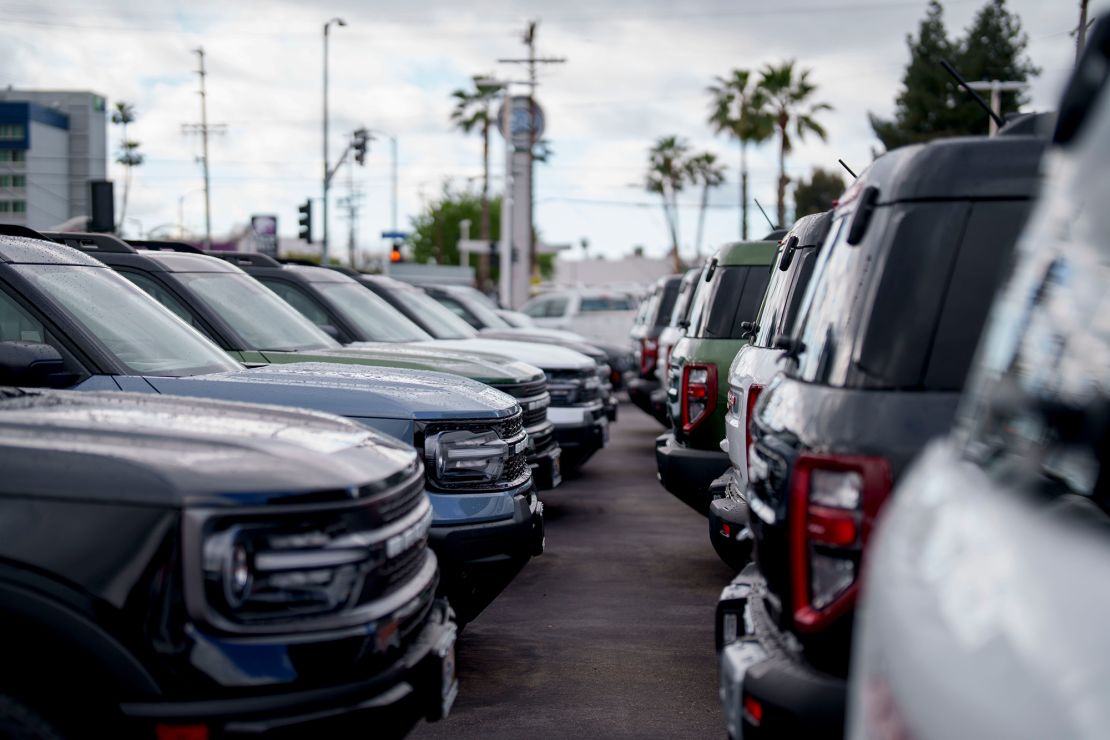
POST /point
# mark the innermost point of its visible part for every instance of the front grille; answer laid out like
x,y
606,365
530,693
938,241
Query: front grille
x,y
533,399
524,390
543,441
573,387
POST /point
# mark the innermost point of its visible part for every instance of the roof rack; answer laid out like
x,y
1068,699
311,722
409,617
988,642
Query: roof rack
x,y
160,245
18,230
343,269
90,242
253,259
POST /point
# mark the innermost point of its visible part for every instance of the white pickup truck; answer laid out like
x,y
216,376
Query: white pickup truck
x,y
597,314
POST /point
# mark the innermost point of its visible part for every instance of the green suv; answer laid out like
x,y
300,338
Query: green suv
x,y
726,300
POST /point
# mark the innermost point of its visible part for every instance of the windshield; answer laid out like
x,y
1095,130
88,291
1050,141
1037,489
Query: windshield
x,y
256,313
375,318
135,329
481,309
442,323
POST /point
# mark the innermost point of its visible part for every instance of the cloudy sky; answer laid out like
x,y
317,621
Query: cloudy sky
x,y
635,70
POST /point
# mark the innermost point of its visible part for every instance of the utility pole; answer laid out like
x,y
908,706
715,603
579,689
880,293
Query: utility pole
x,y
327,174
996,88
1081,30
204,129
529,38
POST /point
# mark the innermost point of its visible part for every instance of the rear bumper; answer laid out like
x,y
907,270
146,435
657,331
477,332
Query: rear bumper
x,y
420,684
687,473
759,670
728,521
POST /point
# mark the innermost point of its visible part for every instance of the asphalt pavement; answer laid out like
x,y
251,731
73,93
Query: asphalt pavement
x,y
609,634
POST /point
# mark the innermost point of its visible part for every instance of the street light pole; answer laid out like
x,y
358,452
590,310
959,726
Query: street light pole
x,y
327,178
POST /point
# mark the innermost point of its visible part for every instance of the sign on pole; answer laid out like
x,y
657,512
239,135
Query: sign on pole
x,y
527,121
264,234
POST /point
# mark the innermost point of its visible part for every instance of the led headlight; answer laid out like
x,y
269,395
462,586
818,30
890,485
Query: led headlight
x,y
461,456
227,561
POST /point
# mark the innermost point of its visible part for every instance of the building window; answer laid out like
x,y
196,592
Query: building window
x,y
13,155
13,206
12,132
13,181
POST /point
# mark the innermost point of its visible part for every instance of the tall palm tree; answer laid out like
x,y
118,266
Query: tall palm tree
x,y
737,109
129,155
704,169
788,92
474,111
667,175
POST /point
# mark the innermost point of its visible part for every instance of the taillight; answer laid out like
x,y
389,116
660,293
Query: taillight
x,y
649,355
749,413
699,394
834,500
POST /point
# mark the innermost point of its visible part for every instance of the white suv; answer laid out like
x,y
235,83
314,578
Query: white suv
x,y
597,314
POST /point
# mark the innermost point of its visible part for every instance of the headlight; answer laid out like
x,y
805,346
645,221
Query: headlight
x,y
466,457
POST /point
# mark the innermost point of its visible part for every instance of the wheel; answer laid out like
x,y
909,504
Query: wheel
x,y
18,721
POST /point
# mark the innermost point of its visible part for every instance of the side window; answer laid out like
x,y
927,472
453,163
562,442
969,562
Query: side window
x,y
299,300
16,325
459,310
538,309
159,293
556,308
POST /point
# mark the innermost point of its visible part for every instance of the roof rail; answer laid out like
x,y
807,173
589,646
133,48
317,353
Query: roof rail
x,y
18,230
300,261
343,269
253,259
161,245
90,242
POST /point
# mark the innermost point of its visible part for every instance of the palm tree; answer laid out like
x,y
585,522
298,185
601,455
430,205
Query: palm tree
x,y
737,109
788,92
667,175
473,110
129,155
707,171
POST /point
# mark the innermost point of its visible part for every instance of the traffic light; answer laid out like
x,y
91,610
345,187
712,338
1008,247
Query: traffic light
x,y
305,220
395,255
358,142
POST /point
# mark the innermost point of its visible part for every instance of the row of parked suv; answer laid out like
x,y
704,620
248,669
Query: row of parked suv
x,y
911,409
243,497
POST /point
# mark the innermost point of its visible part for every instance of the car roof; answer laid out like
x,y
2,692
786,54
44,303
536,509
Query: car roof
x,y
313,274
24,250
181,262
747,253
388,282
959,168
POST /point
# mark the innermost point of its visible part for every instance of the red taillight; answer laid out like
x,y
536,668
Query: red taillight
x,y
749,413
181,732
834,500
649,355
699,394
753,709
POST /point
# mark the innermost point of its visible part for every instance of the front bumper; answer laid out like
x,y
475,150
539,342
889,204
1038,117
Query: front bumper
x,y
420,684
686,472
728,521
544,457
767,689
478,559
640,390
580,431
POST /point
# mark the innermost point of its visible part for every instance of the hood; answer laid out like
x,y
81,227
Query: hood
x,y
594,353
360,391
485,368
543,356
154,450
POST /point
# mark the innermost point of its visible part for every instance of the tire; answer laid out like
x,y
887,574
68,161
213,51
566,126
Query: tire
x,y
18,721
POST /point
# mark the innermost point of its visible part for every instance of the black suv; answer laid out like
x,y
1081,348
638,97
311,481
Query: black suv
x,y
651,319
916,250
188,568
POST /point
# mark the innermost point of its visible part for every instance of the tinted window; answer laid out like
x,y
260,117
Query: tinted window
x,y
441,322
603,303
667,298
158,292
377,320
682,304
300,300
784,295
731,297
262,319
457,308
142,336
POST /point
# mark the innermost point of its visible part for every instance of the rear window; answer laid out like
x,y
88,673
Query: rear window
x,y
666,303
604,303
780,306
730,297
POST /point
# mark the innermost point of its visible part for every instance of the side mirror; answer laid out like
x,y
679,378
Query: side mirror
x,y
33,365
788,251
330,330
792,347
748,329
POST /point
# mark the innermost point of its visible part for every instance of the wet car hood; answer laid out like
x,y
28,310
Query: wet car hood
x,y
545,356
144,449
361,391
483,367
590,350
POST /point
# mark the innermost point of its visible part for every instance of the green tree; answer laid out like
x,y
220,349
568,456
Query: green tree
x,y
817,195
737,109
473,111
704,170
128,153
667,175
436,231
930,104
789,93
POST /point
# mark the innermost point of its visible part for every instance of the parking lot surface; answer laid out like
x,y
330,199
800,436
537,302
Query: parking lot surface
x,y
610,632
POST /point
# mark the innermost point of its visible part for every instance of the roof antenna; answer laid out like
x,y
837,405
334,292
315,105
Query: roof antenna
x,y
853,174
998,121
769,221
